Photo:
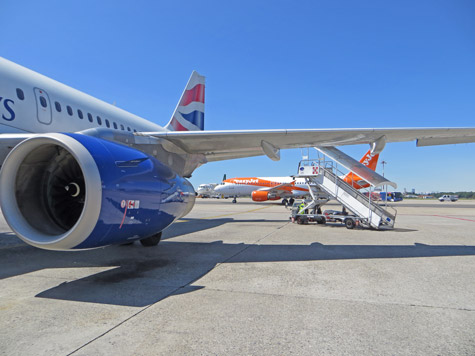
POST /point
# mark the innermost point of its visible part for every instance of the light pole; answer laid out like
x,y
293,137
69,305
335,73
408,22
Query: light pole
x,y
383,163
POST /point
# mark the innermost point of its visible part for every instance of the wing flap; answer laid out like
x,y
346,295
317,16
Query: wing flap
x,y
433,141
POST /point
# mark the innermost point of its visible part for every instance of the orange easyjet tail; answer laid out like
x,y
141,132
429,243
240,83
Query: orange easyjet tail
x,y
369,160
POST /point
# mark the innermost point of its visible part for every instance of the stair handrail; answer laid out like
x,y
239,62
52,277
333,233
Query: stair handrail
x,y
355,193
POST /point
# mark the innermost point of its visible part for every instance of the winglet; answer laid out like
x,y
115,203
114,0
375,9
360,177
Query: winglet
x,y
189,113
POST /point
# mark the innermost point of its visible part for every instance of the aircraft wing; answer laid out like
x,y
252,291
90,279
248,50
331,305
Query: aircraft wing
x,y
221,145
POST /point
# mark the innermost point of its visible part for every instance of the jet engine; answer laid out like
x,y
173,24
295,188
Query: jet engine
x,y
72,191
262,195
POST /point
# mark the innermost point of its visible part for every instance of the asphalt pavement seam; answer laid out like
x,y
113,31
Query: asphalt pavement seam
x,y
252,244
340,300
123,322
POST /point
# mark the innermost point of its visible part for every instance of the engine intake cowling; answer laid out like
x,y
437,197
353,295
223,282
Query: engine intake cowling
x,y
71,191
262,195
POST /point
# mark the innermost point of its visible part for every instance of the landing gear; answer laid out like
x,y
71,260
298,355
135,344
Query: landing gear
x,y
151,240
285,202
291,201
234,200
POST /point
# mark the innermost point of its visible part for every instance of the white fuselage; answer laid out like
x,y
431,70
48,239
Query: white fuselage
x,y
33,103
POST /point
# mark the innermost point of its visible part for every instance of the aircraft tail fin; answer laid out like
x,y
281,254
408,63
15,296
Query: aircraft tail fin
x,y
369,160
190,111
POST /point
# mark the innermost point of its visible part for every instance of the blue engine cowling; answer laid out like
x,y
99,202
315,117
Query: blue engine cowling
x,y
72,191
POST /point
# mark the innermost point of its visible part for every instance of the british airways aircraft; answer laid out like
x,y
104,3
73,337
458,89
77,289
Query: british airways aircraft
x,y
79,173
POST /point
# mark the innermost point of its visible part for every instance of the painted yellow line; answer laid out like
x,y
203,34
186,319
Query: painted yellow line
x,y
223,215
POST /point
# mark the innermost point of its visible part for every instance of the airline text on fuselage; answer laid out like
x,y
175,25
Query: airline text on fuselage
x,y
6,108
246,181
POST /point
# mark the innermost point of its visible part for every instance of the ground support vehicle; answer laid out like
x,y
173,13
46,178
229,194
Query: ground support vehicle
x,y
448,197
349,220
325,176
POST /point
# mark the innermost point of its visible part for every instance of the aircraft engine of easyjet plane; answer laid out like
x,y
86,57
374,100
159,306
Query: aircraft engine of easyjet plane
x,y
262,195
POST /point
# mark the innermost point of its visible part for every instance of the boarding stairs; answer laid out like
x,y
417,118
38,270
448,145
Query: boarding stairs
x,y
324,176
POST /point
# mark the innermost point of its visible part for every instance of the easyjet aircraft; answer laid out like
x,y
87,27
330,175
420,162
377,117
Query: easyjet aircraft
x,y
79,173
285,188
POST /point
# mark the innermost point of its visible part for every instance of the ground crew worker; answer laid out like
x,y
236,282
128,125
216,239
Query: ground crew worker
x,y
301,208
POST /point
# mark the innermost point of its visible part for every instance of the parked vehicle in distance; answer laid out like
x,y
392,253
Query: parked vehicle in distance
x,y
391,196
448,197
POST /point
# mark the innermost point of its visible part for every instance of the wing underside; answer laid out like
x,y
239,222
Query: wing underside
x,y
221,145
193,148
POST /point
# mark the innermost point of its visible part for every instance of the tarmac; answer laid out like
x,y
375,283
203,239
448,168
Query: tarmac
x,y
241,279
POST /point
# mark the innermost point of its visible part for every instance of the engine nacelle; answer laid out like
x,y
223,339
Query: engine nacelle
x,y
262,195
72,191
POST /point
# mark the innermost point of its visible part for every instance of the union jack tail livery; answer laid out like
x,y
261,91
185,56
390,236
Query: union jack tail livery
x,y
190,112
369,160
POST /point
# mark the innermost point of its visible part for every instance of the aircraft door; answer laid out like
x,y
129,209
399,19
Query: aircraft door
x,y
43,106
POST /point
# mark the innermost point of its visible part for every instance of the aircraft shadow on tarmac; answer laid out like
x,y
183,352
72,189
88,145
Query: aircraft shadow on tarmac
x,y
140,277
137,276
139,280
189,225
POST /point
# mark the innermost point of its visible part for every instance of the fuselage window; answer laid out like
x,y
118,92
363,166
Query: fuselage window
x,y
70,110
115,125
43,102
135,130
89,117
121,126
20,94
57,106
99,121
107,123
128,128
80,114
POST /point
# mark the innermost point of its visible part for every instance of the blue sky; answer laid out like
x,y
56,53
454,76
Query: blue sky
x,y
271,64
